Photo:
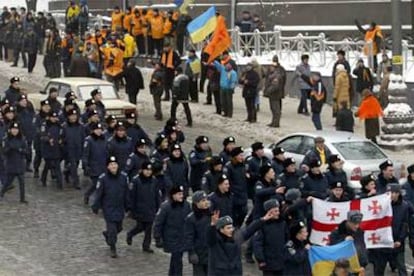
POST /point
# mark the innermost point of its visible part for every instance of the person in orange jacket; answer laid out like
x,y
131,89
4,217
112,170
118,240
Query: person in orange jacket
x,y
170,60
117,17
169,28
137,30
156,25
127,20
113,62
372,35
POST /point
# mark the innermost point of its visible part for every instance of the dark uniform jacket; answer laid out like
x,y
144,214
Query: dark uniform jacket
x,y
136,132
25,118
134,163
253,165
176,172
51,142
14,152
210,180
290,180
381,183
12,95
73,136
112,196
199,165
263,192
315,185
409,190
236,173
401,216
94,155
121,148
196,225
221,202
181,88
250,89
296,259
169,225
277,166
144,198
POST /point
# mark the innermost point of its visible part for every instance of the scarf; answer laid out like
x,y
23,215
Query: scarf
x,y
168,61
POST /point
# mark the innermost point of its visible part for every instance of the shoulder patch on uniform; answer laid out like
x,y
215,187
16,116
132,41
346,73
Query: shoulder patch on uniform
x,y
291,251
129,161
192,154
98,184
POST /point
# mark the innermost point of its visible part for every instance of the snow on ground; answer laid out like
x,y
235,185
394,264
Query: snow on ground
x,y
217,125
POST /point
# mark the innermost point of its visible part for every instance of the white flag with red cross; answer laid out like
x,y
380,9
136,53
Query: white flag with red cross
x,y
376,220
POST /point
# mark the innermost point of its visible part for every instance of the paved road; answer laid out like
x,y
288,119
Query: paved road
x,y
57,235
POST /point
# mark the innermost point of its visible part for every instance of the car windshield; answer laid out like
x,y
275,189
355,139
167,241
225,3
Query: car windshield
x,y
108,91
362,150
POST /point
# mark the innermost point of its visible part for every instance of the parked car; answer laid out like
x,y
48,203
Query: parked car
x,y
360,155
82,88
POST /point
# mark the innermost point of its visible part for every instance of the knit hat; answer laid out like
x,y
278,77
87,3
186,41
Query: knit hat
x,y
201,139
236,151
265,169
354,216
394,188
257,146
199,196
223,221
278,150
295,228
228,140
269,204
385,164
111,159
288,161
293,194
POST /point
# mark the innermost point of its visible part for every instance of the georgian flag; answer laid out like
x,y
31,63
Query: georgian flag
x,y
376,220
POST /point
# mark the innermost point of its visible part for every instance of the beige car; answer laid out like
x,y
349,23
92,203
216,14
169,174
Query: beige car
x,y
82,88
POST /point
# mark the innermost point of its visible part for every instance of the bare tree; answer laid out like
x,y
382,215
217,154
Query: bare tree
x,y
31,5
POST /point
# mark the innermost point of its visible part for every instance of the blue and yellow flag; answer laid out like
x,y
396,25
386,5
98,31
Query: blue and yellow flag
x,y
322,258
203,25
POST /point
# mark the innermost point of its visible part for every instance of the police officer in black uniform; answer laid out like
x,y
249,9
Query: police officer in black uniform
x,y
314,182
222,199
134,130
278,158
228,145
297,261
120,145
291,176
199,159
38,121
96,95
24,115
253,165
386,176
137,158
210,178
176,171
55,105
13,93
112,198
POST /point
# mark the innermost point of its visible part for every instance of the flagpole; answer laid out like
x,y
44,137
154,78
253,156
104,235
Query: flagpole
x,y
233,8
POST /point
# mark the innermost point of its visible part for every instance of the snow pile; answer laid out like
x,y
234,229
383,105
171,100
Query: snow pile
x,y
398,109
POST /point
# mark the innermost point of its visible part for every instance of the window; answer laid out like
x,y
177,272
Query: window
x,y
308,143
50,85
108,91
291,144
363,150
63,89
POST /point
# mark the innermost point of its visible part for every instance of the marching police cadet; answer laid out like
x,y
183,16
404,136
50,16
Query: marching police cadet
x,y
229,143
51,148
196,225
112,198
38,121
350,229
385,177
236,172
221,199
55,105
161,151
120,145
94,157
137,158
90,104
335,173
25,114
12,94
68,105
314,182
110,122
409,185
402,212
158,173
14,150
169,228
9,116
93,118
176,171
144,199
210,178
224,243
253,165
73,136
297,261
199,159
290,177
173,122
96,95
269,247
368,186
277,161
134,130
70,95
295,207
171,133
337,192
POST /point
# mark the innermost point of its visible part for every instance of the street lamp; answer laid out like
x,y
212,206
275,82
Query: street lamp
x,y
396,37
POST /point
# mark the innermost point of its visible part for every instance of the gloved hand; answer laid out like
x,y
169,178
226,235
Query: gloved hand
x,y
158,243
193,258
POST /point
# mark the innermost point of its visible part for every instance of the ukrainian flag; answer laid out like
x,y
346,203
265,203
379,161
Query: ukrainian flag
x,y
203,25
322,258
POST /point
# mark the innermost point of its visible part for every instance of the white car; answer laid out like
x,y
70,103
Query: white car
x,y
360,155
82,88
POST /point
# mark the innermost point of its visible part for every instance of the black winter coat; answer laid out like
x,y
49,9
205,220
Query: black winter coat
x,y
14,151
169,225
112,196
338,235
401,216
296,259
181,88
12,95
196,225
364,80
238,182
315,185
144,198
121,148
269,245
79,66
133,80
134,163
250,89
199,165
210,180
382,183
263,192
222,203
73,136
94,155
176,172
25,118
224,256
290,180
136,132
409,190
51,142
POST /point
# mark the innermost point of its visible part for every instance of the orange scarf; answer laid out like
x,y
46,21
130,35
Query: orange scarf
x,y
370,108
168,62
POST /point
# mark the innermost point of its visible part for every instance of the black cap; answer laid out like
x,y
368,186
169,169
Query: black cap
x,y
354,216
22,97
269,204
44,102
14,79
394,188
54,114
89,102
69,102
333,158
201,139
236,151
131,115
278,150
295,228
257,146
365,180
96,126
110,118
228,140
92,112
410,169
159,139
176,189
120,125
222,178
72,112
111,159
146,165
265,169
95,92
175,147
141,142
9,109
216,160
315,163
70,95
169,129
4,101
385,164
288,161
14,125
337,184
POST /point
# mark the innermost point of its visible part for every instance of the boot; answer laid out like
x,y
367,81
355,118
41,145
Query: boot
x,y
36,174
28,169
113,252
249,259
148,250
129,239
